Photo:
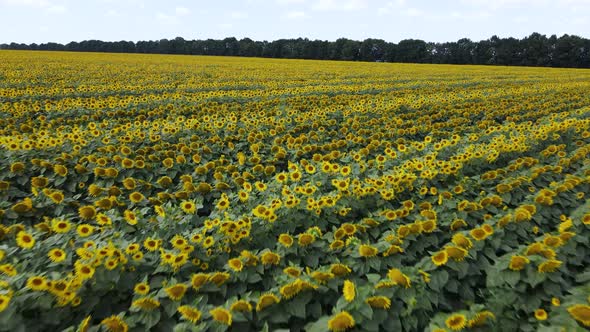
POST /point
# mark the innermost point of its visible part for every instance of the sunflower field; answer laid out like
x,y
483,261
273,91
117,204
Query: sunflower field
x,y
185,193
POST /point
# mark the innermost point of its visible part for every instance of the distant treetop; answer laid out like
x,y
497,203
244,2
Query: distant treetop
x,y
534,50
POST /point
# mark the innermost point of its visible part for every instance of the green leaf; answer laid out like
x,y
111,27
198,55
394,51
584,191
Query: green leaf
x,y
438,280
511,277
536,278
296,309
321,325
151,318
373,278
366,311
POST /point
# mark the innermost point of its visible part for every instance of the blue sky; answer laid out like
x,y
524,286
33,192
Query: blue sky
x,y
393,20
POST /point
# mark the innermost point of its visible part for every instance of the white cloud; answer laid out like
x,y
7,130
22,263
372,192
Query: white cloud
x,y
57,9
289,2
236,15
521,19
182,11
46,5
509,4
293,15
112,13
412,12
391,7
28,3
340,5
166,19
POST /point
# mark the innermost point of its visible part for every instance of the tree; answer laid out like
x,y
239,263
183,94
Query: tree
x,y
534,50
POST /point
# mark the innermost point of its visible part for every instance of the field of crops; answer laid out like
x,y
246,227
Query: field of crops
x,y
185,193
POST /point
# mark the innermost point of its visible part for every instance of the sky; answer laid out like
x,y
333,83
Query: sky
x,y
62,21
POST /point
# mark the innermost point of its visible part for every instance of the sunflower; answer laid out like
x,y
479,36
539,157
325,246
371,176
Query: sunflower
x,y
58,287
137,256
552,241
221,315
159,210
129,183
305,239
60,170
440,258
84,230
295,176
37,283
4,185
84,271
266,300
235,264
580,312
115,324
379,302
103,220
241,306
535,249
270,258
291,289
23,206
337,244
87,212
481,318
39,181
60,226
322,277
286,240
8,269
56,255
342,321
541,314
25,240
189,313
17,167
349,290
462,241
292,271
340,270
550,265
555,302
141,288
188,207
198,280
397,277
208,242
4,301
146,303
456,253
178,241
456,322
366,250
94,190
176,292
518,262
130,217
219,278
136,197
57,197
478,234
151,244
458,223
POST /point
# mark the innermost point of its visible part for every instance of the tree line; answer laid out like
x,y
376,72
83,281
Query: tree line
x,y
533,50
